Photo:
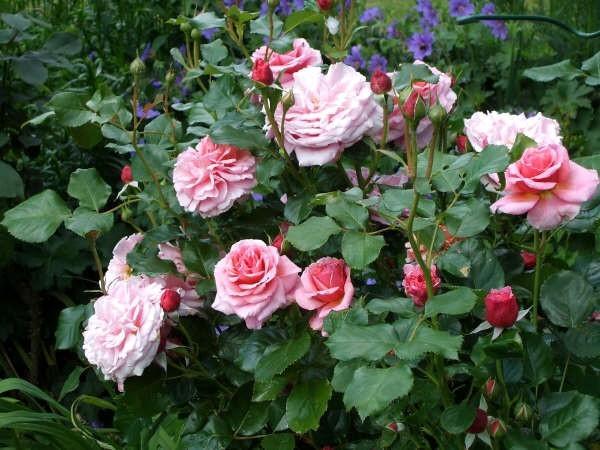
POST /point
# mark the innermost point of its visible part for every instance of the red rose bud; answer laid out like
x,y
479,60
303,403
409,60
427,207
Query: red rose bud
x,y
262,73
380,82
126,174
278,242
170,300
497,428
490,388
479,423
528,259
420,96
461,143
393,426
501,307
325,5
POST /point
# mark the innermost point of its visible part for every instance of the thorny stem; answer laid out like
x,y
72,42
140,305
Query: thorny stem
x,y
539,243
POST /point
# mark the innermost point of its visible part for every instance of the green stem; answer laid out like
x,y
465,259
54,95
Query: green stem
x,y
564,374
539,245
97,262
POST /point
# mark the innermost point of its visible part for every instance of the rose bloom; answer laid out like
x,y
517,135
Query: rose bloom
x,y
547,186
253,281
208,179
325,286
122,336
118,269
529,259
331,112
501,307
414,283
440,91
284,65
493,128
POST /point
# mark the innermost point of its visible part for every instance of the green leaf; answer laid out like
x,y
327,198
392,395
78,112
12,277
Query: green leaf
x,y
367,342
468,218
399,305
68,329
521,144
268,390
279,441
457,418
458,301
16,21
538,363
71,110
63,44
592,67
207,20
83,221
39,119
72,382
361,249
306,404
425,340
563,69
485,271
298,18
584,341
12,184
371,390
313,233
243,138
343,374
163,129
508,345
567,299
492,159
214,52
349,214
37,218
279,357
571,420
397,200
30,70
515,440
16,384
409,73
215,435
87,186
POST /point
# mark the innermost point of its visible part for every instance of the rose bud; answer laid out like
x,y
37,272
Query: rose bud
x,y
262,73
522,412
595,317
528,259
170,300
437,114
126,174
490,388
421,96
380,82
497,428
462,143
278,242
325,5
479,423
395,427
414,283
501,307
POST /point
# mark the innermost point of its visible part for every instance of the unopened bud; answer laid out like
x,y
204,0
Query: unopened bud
x,y
169,77
273,4
185,27
437,114
137,66
523,412
380,82
287,99
170,300
491,388
462,143
126,174
195,34
497,428
324,5
262,73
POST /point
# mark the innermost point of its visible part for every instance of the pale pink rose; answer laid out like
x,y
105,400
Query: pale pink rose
x,y
170,252
284,65
547,186
122,336
543,130
118,269
440,91
253,281
331,112
208,179
325,286
414,283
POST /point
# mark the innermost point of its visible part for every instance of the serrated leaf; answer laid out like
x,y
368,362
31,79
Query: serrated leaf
x,y
563,69
279,357
468,218
428,340
269,389
567,299
458,301
279,441
361,249
571,422
68,330
313,233
343,374
457,418
12,184
399,305
367,342
306,404
347,213
83,221
87,186
584,341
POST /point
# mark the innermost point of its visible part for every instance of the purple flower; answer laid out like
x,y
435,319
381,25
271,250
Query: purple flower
x,y
420,44
156,84
428,17
371,15
285,7
147,52
377,62
355,59
370,281
497,27
392,30
209,33
459,8
230,3
146,112
257,197
92,55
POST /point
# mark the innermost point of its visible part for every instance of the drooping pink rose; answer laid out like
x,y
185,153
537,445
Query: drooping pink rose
x,y
501,307
414,283
122,336
331,112
285,65
325,286
118,269
253,281
170,252
547,186
208,179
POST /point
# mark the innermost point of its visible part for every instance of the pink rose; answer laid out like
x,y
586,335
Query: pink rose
x,y
170,252
284,65
122,336
211,177
325,286
253,281
118,269
414,283
501,307
547,186
331,112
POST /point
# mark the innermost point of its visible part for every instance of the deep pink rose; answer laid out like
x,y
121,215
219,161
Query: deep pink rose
x,y
261,72
253,281
547,186
414,283
501,307
325,286
284,65
123,335
208,179
331,112
529,259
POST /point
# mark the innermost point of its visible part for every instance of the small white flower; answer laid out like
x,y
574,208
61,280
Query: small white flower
x,y
333,25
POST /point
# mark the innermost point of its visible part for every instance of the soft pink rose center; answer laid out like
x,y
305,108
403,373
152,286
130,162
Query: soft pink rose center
x,y
329,275
535,162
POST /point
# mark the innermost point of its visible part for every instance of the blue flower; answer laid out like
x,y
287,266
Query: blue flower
x,y
209,33
497,27
377,62
459,8
355,59
371,15
146,112
156,84
147,52
392,30
370,281
257,197
428,17
230,3
421,44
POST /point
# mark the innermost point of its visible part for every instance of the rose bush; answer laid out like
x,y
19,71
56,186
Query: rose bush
x,y
303,256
